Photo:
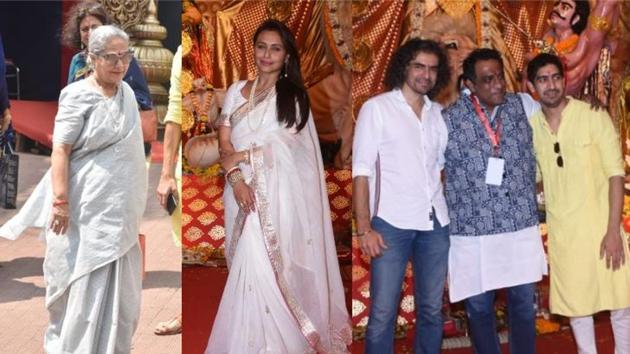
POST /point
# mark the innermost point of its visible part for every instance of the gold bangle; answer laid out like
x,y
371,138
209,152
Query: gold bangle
x,y
362,234
599,23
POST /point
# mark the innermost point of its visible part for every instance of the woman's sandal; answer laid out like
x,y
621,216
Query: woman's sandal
x,y
170,327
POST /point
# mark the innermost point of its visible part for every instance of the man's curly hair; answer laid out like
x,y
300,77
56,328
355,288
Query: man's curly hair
x,y
397,70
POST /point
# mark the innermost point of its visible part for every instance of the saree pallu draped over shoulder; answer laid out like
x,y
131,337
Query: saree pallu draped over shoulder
x,y
284,292
92,273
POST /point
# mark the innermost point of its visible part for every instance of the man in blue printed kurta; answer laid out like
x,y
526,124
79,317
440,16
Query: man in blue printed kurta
x,y
490,192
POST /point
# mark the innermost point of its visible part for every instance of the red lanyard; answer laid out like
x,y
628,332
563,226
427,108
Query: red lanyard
x,y
494,136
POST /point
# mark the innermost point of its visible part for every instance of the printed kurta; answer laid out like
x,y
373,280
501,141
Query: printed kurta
x,y
577,204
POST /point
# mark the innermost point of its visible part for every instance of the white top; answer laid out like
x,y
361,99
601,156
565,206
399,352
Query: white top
x,y
402,156
482,263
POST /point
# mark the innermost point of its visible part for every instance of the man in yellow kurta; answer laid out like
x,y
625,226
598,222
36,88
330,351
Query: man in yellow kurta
x,y
579,159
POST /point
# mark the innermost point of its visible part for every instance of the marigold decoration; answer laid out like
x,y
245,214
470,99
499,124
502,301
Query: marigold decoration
x,y
626,224
546,326
202,109
186,81
188,120
186,43
549,45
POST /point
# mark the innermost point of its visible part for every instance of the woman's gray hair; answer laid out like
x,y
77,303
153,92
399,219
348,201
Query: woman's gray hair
x,y
102,35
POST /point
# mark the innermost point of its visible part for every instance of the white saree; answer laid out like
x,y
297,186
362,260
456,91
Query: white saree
x,y
93,272
284,292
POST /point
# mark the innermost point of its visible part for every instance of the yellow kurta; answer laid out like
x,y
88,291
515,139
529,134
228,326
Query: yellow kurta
x,y
174,115
576,199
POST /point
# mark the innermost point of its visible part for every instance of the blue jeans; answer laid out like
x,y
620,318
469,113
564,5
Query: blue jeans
x,y
521,321
428,251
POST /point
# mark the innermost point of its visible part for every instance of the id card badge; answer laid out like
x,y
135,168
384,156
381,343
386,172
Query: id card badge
x,y
494,174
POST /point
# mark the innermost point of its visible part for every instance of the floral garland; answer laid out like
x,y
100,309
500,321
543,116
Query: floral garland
x,y
334,32
561,48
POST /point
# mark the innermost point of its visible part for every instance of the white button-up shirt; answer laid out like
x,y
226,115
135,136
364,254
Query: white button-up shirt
x,y
402,156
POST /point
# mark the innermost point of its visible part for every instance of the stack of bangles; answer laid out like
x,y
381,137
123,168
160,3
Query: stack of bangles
x,y
361,234
234,175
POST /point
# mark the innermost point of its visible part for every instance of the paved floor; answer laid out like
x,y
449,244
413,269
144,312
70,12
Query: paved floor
x,y
23,317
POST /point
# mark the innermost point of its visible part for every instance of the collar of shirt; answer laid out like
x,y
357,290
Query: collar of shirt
x,y
399,95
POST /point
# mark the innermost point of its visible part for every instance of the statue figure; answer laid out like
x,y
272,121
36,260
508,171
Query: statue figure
x,y
580,37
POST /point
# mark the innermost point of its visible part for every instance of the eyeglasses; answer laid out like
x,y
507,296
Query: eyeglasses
x,y
113,58
556,149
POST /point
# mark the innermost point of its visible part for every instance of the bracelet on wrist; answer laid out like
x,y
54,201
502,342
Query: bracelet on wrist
x,y
361,234
60,202
234,177
232,169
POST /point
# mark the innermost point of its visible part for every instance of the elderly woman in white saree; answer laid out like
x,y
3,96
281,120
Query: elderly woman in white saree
x,y
284,292
90,205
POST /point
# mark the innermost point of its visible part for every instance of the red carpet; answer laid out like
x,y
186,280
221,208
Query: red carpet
x,y
157,152
556,343
203,286
201,292
202,289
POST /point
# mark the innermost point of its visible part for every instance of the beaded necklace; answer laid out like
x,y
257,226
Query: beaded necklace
x,y
250,107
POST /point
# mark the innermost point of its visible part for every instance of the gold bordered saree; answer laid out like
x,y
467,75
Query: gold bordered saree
x,y
284,292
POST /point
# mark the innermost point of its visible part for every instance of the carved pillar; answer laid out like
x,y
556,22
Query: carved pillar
x,y
139,19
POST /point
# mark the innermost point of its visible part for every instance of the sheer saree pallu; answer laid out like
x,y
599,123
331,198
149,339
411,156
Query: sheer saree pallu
x,y
93,272
284,292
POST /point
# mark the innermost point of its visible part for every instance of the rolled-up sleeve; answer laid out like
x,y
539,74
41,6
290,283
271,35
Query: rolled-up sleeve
x,y
366,140
70,118
607,142
174,111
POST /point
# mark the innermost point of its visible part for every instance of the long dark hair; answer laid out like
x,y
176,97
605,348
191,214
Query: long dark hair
x,y
70,35
290,86
397,70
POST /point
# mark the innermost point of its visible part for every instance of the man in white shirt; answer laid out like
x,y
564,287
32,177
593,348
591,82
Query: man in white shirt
x,y
401,214
490,190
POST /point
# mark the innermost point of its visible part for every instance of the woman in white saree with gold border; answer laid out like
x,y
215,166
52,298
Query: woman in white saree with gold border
x,y
284,292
